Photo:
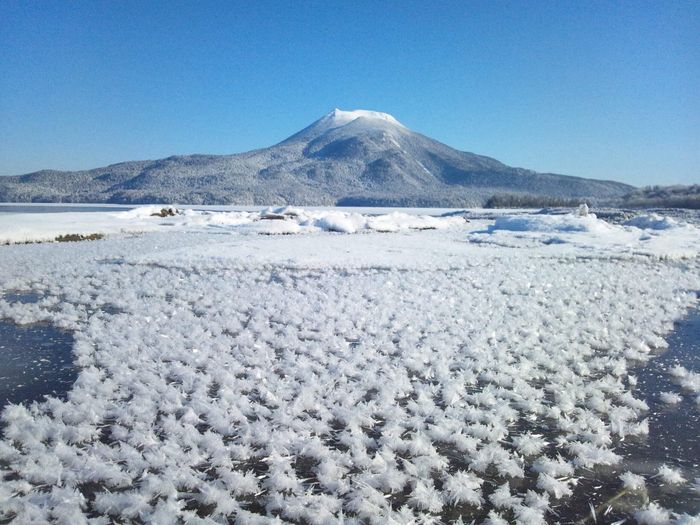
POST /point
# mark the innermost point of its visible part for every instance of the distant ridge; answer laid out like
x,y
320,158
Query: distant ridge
x,y
346,157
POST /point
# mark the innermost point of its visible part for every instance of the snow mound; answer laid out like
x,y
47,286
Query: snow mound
x,y
299,220
552,223
585,231
143,212
19,228
653,221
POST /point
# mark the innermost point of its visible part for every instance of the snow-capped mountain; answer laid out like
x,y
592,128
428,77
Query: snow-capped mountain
x,y
346,157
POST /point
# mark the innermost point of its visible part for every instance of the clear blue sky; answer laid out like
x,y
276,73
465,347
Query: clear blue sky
x,y
598,89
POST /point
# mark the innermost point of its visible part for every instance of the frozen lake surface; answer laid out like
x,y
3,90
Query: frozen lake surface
x,y
323,366
36,360
60,208
672,440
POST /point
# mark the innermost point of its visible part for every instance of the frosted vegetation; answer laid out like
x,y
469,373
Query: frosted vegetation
x,y
409,370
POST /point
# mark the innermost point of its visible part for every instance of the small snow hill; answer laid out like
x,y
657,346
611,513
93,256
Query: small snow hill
x,y
345,158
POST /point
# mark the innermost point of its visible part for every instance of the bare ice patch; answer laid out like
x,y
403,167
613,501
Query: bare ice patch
x,y
658,466
35,361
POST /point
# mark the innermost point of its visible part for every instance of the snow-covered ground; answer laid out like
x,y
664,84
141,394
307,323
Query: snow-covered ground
x,y
41,227
360,368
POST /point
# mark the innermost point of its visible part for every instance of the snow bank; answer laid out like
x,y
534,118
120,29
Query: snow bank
x,y
584,231
337,222
143,212
42,227
552,223
17,228
654,221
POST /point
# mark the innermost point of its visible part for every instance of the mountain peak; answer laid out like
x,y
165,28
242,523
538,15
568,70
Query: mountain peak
x,y
355,157
340,117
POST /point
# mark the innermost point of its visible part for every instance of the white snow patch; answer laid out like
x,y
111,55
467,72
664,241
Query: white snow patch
x,y
33,227
338,117
653,221
553,223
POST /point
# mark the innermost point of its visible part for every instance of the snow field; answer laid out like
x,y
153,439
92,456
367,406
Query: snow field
x,y
252,383
40,227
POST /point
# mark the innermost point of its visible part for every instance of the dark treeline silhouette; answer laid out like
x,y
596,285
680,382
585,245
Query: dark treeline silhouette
x,y
664,197
524,200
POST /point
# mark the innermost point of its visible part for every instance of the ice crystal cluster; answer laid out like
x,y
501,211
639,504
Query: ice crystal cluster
x,y
409,377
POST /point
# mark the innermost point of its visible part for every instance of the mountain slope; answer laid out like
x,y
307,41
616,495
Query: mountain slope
x,y
346,157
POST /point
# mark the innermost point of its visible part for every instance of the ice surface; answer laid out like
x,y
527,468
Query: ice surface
x,y
35,360
404,374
